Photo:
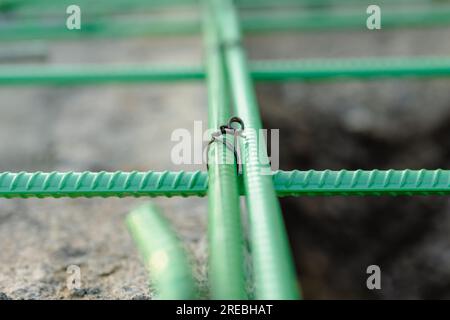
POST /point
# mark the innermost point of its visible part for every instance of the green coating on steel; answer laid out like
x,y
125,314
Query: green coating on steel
x,y
41,8
45,7
281,3
270,70
363,182
102,184
226,244
85,74
273,268
53,8
251,22
164,257
170,184
352,19
360,68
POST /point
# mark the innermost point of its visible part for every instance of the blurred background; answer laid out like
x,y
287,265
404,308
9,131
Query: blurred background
x,y
351,124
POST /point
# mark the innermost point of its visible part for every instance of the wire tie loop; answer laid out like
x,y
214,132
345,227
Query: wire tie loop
x,y
219,136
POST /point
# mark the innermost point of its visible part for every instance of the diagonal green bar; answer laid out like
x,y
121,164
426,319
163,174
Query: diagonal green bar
x,y
164,257
226,249
183,183
270,70
273,267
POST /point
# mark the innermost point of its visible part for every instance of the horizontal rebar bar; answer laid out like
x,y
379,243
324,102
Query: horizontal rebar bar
x,y
293,20
102,184
273,268
353,19
58,7
226,270
362,182
269,70
376,67
51,7
183,183
44,4
279,3
86,74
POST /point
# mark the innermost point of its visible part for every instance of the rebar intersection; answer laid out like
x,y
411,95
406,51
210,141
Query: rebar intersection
x,y
228,75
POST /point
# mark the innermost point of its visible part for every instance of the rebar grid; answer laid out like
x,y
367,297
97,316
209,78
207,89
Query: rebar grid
x,y
228,75
273,269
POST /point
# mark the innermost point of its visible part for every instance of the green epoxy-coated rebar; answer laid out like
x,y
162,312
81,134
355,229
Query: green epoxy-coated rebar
x,y
362,182
41,8
85,74
321,20
164,257
352,19
273,268
356,68
270,70
170,184
281,3
102,184
51,7
56,8
226,249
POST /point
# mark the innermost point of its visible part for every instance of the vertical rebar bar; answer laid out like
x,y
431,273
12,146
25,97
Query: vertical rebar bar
x,y
226,250
274,271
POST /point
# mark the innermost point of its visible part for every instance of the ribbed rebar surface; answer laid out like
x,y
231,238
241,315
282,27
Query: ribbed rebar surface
x,y
273,268
102,184
270,70
225,236
363,182
183,183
